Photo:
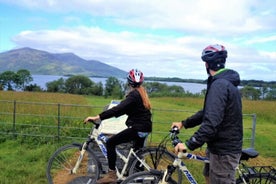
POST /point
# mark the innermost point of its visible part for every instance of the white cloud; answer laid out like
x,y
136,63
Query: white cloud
x,y
173,14
163,38
269,38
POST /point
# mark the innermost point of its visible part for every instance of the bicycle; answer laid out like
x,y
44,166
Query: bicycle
x,y
245,174
80,163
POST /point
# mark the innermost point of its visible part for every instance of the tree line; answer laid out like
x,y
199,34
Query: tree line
x,y
83,85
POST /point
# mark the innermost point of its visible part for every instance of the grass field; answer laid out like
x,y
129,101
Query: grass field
x,y
25,162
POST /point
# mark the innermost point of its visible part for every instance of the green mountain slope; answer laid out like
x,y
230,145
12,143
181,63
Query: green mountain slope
x,y
45,63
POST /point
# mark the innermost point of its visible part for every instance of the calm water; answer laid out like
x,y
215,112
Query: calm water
x,y
41,81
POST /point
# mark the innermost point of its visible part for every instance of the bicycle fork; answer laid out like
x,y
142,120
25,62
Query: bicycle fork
x,y
82,151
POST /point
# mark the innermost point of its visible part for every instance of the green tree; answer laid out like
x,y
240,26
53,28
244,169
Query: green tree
x,y
114,88
56,86
264,91
117,92
7,79
174,89
97,89
33,87
155,87
271,94
22,78
250,93
78,84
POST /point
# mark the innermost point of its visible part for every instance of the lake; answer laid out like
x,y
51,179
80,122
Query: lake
x,y
41,81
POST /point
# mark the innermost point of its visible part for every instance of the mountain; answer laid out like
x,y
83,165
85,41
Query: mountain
x,y
45,63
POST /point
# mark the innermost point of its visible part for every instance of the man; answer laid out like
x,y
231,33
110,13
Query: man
x,y
220,119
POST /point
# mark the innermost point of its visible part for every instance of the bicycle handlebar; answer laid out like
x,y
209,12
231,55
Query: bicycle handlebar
x,y
95,123
175,130
175,139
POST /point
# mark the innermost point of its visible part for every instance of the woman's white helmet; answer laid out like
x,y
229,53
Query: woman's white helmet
x,y
135,77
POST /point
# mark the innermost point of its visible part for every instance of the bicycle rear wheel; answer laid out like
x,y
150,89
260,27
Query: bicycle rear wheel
x,y
156,158
146,177
62,162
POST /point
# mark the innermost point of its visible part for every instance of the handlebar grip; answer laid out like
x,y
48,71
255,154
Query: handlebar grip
x,y
95,123
175,130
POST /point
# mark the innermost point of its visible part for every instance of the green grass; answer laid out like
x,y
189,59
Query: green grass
x,y
20,163
265,127
24,160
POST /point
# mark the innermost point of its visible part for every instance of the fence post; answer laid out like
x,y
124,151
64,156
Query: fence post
x,y
254,117
14,116
58,122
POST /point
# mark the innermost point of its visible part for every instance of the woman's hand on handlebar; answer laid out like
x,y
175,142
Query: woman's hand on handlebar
x,y
91,119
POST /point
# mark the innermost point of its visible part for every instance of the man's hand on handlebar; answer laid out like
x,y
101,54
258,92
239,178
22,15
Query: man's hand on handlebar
x,y
179,125
180,147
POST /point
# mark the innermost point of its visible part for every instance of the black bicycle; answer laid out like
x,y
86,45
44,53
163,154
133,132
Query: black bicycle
x,y
245,174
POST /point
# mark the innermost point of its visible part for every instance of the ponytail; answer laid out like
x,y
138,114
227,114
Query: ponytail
x,y
144,96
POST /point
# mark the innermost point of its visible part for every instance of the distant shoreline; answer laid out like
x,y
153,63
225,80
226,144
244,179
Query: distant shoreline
x,y
254,83
192,87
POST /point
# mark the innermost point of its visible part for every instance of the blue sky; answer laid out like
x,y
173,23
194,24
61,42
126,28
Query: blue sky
x,y
163,38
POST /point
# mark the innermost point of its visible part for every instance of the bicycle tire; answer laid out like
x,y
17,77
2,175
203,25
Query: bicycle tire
x,y
157,159
259,178
61,163
146,177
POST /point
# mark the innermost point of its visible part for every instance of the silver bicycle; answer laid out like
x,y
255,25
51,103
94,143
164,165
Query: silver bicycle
x,y
245,174
84,163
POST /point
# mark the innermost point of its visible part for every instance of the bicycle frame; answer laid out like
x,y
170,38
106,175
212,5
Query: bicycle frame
x,y
103,138
100,139
179,163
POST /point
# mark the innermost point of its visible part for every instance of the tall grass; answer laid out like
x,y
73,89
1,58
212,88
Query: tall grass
x,y
23,161
43,97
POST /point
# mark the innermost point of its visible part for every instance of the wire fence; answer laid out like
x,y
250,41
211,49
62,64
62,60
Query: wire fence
x,y
45,122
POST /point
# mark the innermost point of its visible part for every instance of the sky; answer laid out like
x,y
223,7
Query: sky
x,y
162,38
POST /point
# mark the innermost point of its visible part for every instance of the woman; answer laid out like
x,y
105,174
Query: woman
x,y
137,106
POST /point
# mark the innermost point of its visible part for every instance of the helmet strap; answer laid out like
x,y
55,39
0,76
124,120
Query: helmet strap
x,y
207,68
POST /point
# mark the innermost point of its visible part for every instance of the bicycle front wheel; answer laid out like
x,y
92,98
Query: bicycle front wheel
x,y
259,178
155,158
60,166
146,177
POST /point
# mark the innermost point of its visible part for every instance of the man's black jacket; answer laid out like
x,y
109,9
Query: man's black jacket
x,y
221,118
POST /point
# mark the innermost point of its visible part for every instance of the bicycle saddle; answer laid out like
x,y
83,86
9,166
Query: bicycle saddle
x,y
248,153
